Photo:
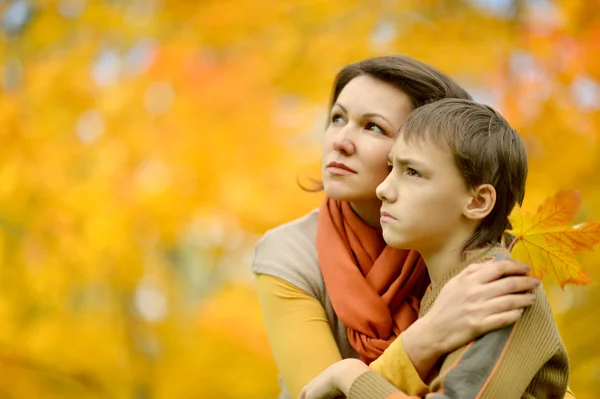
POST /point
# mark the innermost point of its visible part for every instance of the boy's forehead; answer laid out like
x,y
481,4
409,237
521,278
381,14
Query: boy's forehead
x,y
414,144
403,151
420,149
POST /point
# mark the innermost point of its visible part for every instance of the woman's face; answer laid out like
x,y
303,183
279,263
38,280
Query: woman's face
x,y
363,123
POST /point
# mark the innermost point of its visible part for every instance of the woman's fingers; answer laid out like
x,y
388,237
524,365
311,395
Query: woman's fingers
x,y
508,303
490,271
482,298
500,320
510,285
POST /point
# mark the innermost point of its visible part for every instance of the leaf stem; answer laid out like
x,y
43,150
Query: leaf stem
x,y
512,243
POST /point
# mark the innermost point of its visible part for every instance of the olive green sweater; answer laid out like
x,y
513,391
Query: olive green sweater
x,y
525,360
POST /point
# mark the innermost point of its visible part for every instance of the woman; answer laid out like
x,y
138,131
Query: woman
x,y
329,286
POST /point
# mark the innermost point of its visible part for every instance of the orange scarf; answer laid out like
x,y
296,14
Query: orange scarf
x,y
374,289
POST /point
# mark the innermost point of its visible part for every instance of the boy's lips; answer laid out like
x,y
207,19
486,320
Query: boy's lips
x,y
386,217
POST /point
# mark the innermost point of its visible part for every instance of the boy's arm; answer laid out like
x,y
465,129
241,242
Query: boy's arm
x,y
527,359
465,373
370,385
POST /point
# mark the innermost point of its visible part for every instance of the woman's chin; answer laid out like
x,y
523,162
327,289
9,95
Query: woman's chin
x,y
341,192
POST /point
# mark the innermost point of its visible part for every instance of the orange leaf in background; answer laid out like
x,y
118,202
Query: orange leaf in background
x,y
555,211
546,242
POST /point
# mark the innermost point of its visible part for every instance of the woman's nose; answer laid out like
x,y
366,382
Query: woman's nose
x,y
343,142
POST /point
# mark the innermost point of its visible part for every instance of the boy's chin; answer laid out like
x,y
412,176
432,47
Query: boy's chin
x,y
394,240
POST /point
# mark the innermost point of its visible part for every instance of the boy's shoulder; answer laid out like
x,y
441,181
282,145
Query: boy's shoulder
x,y
538,321
518,352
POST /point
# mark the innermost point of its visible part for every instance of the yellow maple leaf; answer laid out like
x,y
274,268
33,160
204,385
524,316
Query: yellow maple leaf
x,y
547,243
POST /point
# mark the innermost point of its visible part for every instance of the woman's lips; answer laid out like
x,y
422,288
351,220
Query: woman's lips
x,y
339,169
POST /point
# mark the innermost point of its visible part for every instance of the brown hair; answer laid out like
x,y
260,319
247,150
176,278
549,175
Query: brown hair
x,y
486,150
422,83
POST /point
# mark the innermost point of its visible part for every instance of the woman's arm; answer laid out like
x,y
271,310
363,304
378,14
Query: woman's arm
x,y
303,345
476,301
506,363
395,365
352,378
298,330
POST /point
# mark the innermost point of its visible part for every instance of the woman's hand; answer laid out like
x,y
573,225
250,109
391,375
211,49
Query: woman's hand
x,y
482,298
336,380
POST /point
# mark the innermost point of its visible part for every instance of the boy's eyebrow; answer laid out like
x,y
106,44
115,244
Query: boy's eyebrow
x,y
405,162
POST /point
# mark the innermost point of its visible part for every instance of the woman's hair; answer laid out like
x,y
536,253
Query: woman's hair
x,y
486,150
422,83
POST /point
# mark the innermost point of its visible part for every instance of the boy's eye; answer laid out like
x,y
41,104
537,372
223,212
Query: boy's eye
x,y
374,128
390,166
412,172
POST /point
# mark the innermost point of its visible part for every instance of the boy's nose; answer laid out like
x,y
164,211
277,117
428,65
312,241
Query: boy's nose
x,y
384,192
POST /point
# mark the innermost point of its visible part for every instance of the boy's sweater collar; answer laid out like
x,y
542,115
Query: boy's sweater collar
x,y
474,256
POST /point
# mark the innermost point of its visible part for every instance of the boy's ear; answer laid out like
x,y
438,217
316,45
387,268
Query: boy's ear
x,y
481,202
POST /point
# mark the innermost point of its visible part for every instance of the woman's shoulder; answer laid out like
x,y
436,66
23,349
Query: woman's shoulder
x,y
302,230
289,252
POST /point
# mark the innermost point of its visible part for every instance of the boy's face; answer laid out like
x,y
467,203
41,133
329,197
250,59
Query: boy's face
x,y
423,198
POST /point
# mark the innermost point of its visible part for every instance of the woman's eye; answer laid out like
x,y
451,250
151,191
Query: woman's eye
x,y
412,172
374,128
336,118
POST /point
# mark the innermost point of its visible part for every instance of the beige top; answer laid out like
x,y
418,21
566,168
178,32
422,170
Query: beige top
x,y
288,252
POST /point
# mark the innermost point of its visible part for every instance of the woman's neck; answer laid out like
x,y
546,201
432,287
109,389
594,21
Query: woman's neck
x,y
369,211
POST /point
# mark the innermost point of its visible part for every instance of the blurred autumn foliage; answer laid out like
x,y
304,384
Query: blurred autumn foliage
x,y
146,145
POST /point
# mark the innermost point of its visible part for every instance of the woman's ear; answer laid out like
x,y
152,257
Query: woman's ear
x,y
481,202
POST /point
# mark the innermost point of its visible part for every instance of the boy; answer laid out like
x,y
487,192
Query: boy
x,y
457,170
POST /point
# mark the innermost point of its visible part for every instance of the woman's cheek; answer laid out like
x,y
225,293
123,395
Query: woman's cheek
x,y
382,165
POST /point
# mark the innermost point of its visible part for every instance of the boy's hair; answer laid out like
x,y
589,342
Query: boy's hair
x,y
486,150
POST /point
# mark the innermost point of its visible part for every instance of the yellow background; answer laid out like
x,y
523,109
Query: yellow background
x,y
145,145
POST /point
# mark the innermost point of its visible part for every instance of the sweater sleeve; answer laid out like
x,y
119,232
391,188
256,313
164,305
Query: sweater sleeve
x,y
298,330
525,360
370,385
395,366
